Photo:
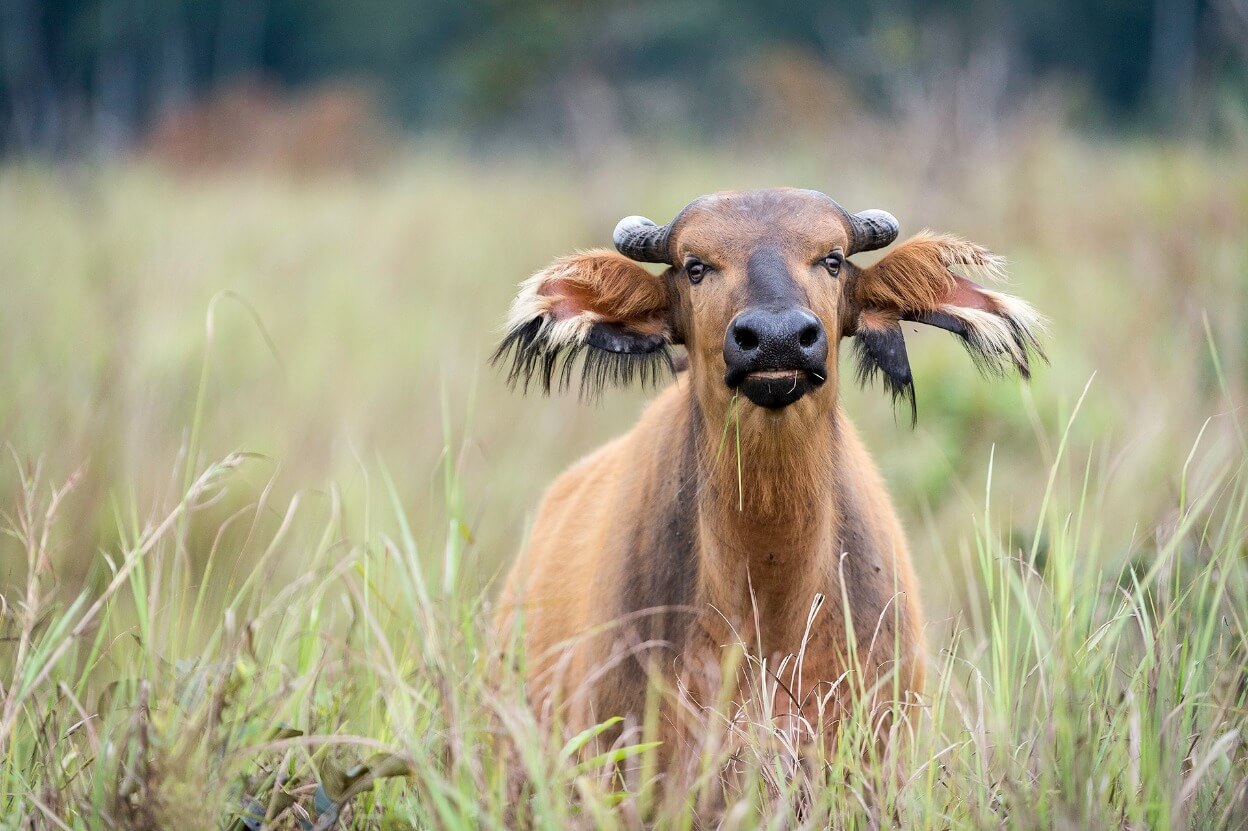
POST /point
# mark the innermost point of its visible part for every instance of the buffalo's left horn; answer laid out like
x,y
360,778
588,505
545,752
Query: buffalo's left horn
x,y
872,229
640,239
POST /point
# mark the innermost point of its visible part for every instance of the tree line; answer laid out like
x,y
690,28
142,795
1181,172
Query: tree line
x,y
86,74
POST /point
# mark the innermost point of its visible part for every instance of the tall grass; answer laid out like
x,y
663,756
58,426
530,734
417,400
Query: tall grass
x,y
1080,689
249,565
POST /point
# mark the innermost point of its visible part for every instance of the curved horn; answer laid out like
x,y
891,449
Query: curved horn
x,y
872,229
640,239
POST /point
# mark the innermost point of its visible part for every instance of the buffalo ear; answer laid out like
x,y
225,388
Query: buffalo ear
x,y
598,311
1000,332
923,281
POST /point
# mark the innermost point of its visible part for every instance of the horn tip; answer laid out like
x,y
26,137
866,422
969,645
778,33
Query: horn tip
x,y
628,226
874,229
877,215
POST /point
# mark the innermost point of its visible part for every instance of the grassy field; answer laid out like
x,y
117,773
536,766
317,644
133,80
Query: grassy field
x,y
262,482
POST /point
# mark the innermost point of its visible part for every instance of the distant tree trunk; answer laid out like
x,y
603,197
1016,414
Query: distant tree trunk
x,y
116,107
36,124
240,38
1172,60
1231,18
176,75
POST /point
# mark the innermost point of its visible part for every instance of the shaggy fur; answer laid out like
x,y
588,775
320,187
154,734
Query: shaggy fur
x,y
553,317
539,352
881,353
918,282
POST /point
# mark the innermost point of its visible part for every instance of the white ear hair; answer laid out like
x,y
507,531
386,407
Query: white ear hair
x,y
530,304
1008,333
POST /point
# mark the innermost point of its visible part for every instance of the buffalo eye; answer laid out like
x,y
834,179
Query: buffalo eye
x,y
833,262
695,269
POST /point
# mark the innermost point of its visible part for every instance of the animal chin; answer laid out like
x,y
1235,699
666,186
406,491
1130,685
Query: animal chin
x,y
775,389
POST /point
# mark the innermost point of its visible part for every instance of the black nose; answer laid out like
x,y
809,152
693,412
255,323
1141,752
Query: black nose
x,y
764,339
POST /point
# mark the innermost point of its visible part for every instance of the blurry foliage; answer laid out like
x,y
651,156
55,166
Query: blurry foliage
x,y
80,74
382,292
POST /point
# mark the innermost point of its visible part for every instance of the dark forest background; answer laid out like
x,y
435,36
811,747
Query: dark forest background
x,y
81,76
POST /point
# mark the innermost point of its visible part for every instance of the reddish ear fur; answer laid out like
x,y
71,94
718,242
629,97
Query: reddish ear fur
x,y
593,287
918,282
597,304
917,276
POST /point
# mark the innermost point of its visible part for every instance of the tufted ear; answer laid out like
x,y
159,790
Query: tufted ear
x,y
597,305
923,281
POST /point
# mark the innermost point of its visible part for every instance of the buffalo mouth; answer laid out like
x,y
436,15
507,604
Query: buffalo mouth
x,y
775,389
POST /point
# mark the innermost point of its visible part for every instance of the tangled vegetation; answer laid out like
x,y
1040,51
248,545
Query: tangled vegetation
x,y
262,484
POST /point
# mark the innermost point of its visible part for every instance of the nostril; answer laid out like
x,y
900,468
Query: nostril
x,y
747,339
808,336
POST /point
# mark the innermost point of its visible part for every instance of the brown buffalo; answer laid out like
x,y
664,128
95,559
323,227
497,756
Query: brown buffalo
x,y
653,555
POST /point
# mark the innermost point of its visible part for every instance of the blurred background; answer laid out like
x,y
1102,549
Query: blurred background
x,y
86,76
294,228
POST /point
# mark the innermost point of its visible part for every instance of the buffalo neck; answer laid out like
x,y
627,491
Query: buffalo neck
x,y
766,513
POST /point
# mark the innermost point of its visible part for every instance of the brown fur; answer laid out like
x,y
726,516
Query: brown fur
x,y
608,285
664,549
917,276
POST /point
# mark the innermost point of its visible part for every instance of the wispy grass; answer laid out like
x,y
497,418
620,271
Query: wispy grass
x,y
299,631
1082,688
